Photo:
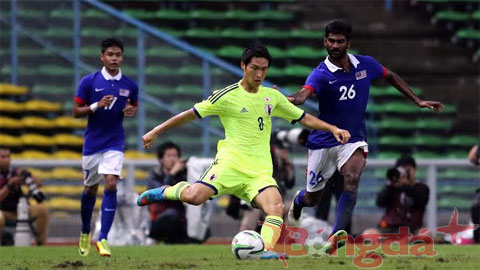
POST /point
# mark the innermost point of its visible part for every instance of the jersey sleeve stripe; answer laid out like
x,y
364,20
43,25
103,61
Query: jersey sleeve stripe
x,y
299,119
385,72
196,112
213,96
218,97
308,87
80,101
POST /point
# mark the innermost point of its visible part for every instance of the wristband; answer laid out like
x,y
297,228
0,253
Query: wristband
x,y
94,107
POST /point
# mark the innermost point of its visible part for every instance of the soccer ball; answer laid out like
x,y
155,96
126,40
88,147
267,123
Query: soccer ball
x,y
247,245
314,246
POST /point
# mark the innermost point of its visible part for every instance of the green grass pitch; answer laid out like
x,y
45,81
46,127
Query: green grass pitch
x,y
215,257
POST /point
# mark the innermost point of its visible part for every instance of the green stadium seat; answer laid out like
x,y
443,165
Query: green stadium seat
x,y
94,14
476,15
90,51
166,52
203,33
271,33
190,70
236,33
94,32
298,71
153,70
31,13
430,140
387,155
55,70
276,52
451,15
172,14
141,14
158,90
230,51
206,14
397,107
275,72
463,140
305,52
189,89
425,155
432,123
173,32
276,15
457,154
62,13
395,123
241,15
51,89
127,32
460,174
57,32
394,140
307,34
469,34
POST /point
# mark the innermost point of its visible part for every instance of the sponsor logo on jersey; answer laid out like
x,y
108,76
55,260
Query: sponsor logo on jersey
x,y
269,109
267,99
361,74
124,92
243,110
330,82
212,177
99,89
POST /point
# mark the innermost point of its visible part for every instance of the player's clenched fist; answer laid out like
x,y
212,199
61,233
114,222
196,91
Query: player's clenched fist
x,y
341,135
148,139
105,101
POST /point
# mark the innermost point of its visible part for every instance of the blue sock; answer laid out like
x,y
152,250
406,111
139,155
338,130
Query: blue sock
x,y
86,210
109,205
344,212
300,199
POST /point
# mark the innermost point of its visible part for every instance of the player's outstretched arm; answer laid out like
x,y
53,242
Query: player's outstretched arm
x,y
311,121
300,97
175,121
402,86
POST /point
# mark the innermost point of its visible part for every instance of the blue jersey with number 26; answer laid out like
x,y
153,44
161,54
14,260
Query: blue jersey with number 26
x,y
342,97
104,131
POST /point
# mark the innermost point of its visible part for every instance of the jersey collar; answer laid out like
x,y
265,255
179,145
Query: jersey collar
x,y
109,77
334,68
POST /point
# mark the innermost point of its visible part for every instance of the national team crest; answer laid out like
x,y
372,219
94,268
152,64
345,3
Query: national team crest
x,y
269,109
361,74
212,177
267,99
124,92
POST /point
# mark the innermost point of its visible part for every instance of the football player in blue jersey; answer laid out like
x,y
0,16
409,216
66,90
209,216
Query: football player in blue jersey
x,y
342,84
105,96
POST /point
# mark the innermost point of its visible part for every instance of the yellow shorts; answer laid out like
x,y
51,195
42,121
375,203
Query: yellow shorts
x,y
227,180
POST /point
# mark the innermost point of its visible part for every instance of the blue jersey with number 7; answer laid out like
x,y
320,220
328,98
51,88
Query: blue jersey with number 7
x,y
104,131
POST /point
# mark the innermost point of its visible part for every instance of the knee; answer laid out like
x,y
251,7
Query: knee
x,y
351,181
91,190
275,209
111,182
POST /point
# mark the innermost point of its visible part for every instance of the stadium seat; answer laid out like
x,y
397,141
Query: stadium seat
x,y
10,141
276,52
230,51
11,89
425,155
202,33
93,14
66,173
387,155
430,140
241,14
307,34
68,140
275,72
459,174
57,32
42,106
158,90
463,140
11,107
55,70
65,154
166,52
39,173
272,33
396,140
432,123
45,89
141,14
10,123
206,14
70,122
236,33
126,32
395,123
457,154
134,154
172,14
35,122
33,154
305,52
298,71
173,32
37,140
153,70
95,32
189,89
31,13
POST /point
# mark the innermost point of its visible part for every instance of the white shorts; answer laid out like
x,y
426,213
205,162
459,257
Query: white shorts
x,y
97,165
322,163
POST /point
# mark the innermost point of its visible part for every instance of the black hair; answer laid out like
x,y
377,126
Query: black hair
x,y
3,147
111,42
339,26
167,145
256,50
406,160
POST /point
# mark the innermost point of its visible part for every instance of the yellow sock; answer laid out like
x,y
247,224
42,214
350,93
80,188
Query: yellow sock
x,y
271,230
173,192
